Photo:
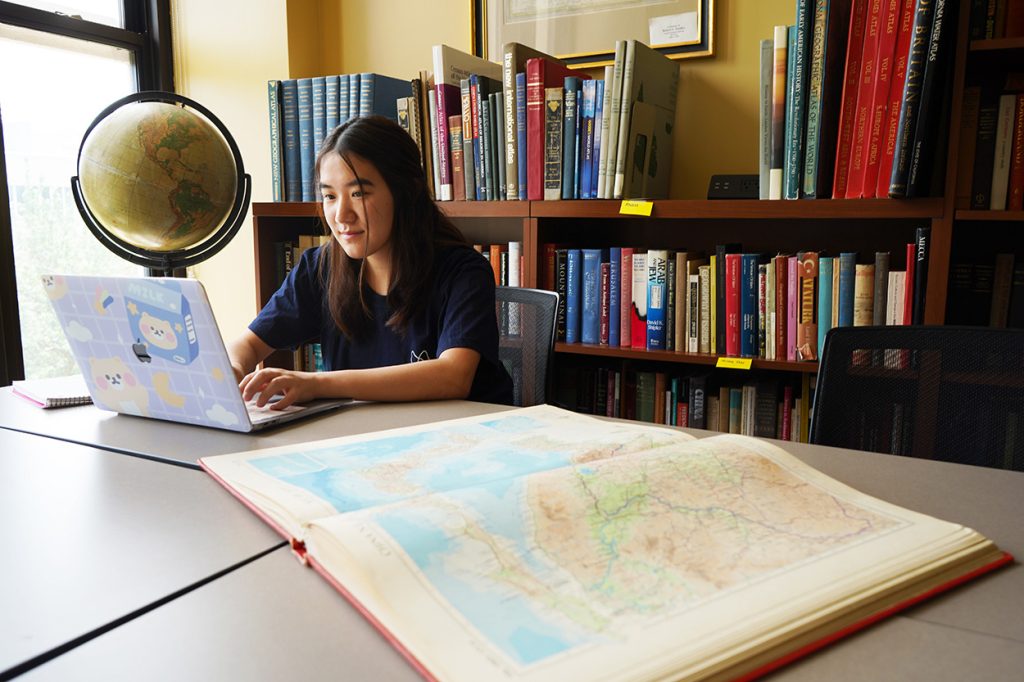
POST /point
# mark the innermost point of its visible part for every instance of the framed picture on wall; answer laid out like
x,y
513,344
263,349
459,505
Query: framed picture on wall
x,y
583,32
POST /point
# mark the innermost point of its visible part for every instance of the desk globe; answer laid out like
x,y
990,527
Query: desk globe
x,y
160,181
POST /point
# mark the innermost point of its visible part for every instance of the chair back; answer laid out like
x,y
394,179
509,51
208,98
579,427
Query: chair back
x,y
526,340
948,393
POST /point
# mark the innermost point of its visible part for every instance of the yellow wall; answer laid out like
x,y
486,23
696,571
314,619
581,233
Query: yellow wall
x,y
225,51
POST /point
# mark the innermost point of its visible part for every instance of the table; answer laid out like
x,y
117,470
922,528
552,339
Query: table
x,y
273,618
184,444
91,537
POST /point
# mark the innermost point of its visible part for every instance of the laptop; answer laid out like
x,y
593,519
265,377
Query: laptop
x,y
150,347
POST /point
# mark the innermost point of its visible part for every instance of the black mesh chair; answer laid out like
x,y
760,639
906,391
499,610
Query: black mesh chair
x,y
947,393
526,340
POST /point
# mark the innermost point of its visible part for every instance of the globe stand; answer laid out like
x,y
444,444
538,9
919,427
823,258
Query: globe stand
x,y
173,261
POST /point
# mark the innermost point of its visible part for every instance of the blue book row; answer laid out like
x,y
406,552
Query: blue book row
x,y
303,111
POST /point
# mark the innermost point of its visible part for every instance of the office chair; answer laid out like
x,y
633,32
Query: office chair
x,y
526,340
954,394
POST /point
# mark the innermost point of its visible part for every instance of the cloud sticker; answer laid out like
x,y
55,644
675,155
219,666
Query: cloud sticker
x,y
79,332
220,415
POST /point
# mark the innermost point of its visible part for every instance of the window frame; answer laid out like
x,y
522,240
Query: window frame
x,y
147,35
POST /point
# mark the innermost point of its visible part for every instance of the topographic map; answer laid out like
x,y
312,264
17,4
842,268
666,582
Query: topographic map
x,y
546,537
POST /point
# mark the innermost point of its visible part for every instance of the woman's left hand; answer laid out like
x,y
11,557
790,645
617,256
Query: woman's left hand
x,y
293,387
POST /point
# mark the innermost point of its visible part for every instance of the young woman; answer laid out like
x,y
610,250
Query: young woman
x,y
402,305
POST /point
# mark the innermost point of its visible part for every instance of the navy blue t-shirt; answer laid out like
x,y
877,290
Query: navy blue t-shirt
x,y
459,313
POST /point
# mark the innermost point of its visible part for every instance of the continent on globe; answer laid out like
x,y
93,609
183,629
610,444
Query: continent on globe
x,y
158,176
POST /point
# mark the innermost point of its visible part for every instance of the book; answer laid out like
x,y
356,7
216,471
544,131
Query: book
x,y
764,132
290,133
514,56
429,556
796,121
638,314
307,152
657,298
927,158
590,295
319,98
889,32
848,101
650,86
610,124
553,125
887,137
865,99
913,95
276,147
54,391
541,73
776,169
450,67
572,99
1003,152
824,91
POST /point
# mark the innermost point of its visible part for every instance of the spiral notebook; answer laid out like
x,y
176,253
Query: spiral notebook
x,y
54,391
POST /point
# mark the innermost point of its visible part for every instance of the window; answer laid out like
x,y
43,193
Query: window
x,y
73,59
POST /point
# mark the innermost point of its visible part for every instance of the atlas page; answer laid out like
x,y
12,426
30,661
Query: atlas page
x,y
540,544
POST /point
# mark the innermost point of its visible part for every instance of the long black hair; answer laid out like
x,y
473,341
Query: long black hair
x,y
418,227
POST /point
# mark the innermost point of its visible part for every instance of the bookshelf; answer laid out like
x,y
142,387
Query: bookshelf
x,y
693,224
697,226
971,237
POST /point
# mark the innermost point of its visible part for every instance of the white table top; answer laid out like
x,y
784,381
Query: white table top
x,y
90,536
274,618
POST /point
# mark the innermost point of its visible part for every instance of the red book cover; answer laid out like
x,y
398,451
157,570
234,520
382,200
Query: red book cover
x,y
792,305
602,337
540,73
732,304
787,413
1015,192
848,104
455,151
638,303
887,32
625,296
887,136
865,94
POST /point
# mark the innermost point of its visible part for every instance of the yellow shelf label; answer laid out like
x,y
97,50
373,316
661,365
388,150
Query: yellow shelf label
x,y
734,363
636,207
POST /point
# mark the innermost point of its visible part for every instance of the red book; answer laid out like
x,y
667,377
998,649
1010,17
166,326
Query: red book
x,y
1015,192
787,413
887,137
887,32
605,303
455,151
732,304
865,95
625,296
848,104
638,304
540,73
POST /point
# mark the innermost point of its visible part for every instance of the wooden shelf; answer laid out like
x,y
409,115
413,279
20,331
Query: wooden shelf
x,y
820,209
286,209
680,358
485,209
752,209
991,216
997,44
